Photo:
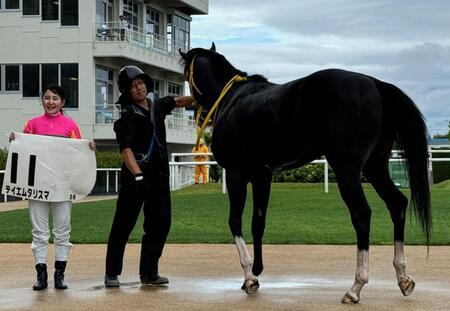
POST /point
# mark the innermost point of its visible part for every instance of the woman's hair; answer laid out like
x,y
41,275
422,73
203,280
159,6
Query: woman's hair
x,y
55,89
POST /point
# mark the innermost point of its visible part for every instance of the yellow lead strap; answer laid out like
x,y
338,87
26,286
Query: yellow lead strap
x,y
226,88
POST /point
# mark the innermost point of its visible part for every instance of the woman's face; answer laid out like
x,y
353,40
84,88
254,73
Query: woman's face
x,y
52,103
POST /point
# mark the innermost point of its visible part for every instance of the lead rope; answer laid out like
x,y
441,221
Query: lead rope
x,y
226,88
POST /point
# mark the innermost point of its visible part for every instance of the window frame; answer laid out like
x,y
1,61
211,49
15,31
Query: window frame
x,y
39,82
32,15
68,95
106,78
50,20
77,14
19,81
58,74
4,9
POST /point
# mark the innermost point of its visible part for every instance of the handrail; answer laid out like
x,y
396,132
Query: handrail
x,y
113,31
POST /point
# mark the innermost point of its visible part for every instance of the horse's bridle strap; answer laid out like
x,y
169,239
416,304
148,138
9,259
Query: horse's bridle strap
x,y
191,77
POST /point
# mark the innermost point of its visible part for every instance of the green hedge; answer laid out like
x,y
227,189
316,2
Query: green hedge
x,y
308,173
108,159
441,170
312,173
3,156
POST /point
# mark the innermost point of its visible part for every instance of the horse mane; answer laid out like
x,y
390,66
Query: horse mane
x,y
220,61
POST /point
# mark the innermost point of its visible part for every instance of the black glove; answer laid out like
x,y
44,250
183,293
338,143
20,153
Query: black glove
x,y
142,184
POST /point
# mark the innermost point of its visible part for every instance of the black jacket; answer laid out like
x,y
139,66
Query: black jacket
x,y
135,130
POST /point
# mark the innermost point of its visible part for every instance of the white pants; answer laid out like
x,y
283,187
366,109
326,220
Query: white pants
x,y
39,212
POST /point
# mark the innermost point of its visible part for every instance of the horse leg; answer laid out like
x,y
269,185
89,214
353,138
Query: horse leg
x,y
396,203
237,193
349,183
261,182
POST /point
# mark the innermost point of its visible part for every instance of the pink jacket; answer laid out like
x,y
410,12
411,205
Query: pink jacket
x,y
59,125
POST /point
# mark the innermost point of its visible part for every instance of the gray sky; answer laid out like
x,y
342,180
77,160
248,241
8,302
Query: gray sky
x,y
405,42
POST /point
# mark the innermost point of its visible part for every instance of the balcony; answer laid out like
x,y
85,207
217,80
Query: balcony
x,y
180,128
110,40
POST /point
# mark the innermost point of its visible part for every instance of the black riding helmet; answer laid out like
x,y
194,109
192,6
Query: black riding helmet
x,y
128,73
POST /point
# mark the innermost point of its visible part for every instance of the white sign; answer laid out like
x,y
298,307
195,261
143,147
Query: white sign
x,y
48,168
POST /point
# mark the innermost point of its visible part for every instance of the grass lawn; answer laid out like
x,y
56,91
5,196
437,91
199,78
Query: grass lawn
x,y
297,214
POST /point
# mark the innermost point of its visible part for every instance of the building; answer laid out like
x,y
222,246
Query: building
x,y
81,45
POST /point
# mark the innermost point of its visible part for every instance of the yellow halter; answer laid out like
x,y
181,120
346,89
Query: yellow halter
x,y
226,88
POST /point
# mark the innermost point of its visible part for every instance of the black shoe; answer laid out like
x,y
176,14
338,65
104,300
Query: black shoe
x,y
42,276
58,277
154,280
111,281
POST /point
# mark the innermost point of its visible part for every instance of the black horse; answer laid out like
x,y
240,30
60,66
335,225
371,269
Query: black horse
x,y
350,118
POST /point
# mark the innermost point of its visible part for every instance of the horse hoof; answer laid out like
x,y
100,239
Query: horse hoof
x,y
350,298
250,286
407,286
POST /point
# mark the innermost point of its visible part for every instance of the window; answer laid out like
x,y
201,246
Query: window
x,y
69,81
50,10
12,78
69,12
12,4
30,80
1,87
49,74
130,12
103,12
105,111
173,89
157,88
178,32
153,28
30,7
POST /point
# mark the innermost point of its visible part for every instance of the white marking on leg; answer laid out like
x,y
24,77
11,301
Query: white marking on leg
x,y
361,277
405,282
399,261
244,256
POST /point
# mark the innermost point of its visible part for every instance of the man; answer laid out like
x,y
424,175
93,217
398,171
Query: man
x,y
200,169
141,136
123,28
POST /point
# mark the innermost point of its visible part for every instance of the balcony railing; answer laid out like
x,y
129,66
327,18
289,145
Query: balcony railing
x,y
112,31
183,124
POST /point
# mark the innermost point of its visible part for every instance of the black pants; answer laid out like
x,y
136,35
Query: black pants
x,y
157,219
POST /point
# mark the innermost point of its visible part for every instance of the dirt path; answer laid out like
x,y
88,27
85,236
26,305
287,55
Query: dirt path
x,y
208,277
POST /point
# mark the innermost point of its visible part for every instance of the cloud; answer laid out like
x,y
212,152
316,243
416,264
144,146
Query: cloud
x,y
405,42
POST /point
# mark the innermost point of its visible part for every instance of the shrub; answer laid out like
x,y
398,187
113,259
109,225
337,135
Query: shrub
x,y
310,173
108,159
441,170
3,157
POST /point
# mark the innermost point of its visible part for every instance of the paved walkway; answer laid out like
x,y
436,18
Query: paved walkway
x,y
12,205
209,277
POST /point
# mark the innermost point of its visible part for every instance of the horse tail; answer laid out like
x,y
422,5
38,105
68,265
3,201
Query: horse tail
x,y
412,135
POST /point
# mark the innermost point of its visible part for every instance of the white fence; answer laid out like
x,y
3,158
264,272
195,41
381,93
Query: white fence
x,y
182,172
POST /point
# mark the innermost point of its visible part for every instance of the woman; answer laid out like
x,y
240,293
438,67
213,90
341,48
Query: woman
x,y
52,123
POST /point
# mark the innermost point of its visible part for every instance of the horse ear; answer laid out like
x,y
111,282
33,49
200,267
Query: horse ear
x,y
183,55
213,47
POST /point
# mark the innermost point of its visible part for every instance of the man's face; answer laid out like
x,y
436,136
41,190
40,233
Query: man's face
x,y
138,89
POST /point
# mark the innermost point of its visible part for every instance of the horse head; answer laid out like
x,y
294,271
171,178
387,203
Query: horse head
x,y
208,73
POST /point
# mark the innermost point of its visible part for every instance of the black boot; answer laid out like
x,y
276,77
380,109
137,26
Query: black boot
x,y
60,267
42,276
